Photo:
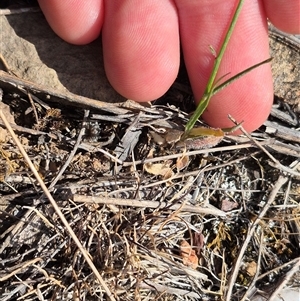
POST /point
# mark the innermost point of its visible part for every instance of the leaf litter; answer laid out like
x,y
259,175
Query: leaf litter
x,y
158,221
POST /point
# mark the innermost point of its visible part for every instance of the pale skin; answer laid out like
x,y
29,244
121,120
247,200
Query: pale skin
x,y
141,46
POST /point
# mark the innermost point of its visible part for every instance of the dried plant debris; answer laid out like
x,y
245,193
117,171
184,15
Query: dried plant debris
x,y
285,50
160,222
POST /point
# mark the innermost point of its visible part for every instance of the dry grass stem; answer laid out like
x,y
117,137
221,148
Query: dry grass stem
x,y
281,181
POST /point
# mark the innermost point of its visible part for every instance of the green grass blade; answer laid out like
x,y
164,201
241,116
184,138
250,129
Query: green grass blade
x,y
205,99
238,75
219,58
209,88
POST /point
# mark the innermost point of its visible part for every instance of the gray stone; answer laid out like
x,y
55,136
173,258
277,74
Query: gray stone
x,y
35,53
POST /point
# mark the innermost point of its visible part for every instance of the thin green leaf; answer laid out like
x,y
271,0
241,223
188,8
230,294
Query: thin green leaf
x,y
205,99
219,58
239,75
210,84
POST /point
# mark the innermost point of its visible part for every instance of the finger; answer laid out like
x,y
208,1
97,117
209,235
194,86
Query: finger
x,y
284,14
75,21
141,47
249,99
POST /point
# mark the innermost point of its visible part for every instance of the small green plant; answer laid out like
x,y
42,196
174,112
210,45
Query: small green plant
x,y
211,87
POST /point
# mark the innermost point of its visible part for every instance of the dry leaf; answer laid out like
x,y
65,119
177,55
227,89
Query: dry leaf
x,y
189,257
169,174
251,268
201,138
158,169
182,162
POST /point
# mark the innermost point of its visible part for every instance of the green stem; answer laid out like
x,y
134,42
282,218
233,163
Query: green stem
x,y
209,88
239,75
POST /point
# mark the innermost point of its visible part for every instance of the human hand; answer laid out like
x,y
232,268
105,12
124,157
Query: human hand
x,y
141,47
